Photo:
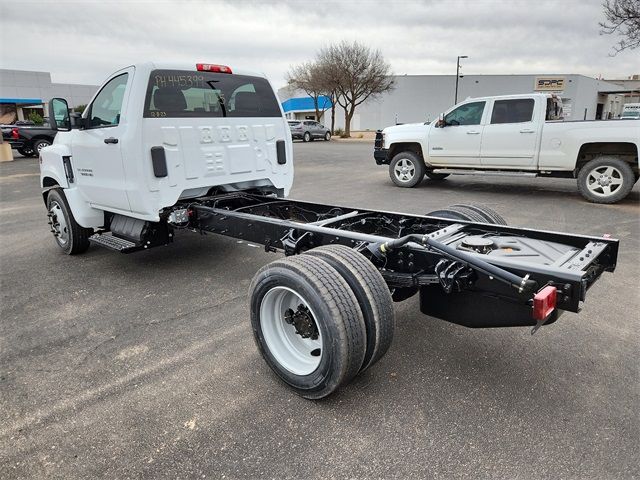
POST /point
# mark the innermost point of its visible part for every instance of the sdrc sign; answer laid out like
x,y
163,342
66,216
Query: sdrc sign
x,y
555,84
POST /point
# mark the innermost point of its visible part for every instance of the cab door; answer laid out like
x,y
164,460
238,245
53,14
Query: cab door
x,y
456,142
96,149
510,138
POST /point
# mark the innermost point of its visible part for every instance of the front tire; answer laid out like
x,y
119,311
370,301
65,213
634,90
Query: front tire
x,y
70,237
26,152
307,325
406,169
605,179
327,136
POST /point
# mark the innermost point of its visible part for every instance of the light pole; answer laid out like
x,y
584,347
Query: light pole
x,y
458,76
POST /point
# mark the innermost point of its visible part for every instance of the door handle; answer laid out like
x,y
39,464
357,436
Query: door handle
x,y
111,140
473,132
527,130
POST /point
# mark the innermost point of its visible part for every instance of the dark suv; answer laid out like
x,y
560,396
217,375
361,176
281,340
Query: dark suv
x,y
308,130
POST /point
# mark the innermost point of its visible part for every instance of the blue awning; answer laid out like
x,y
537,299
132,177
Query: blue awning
x,y
305,104
22,101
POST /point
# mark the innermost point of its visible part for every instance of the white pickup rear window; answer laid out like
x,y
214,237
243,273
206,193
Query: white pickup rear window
x,y
181,93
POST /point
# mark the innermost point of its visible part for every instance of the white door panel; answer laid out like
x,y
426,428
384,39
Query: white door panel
x,y
455,145
458,142
511,138
97,150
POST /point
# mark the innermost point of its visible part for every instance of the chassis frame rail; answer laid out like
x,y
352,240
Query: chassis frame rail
x,y
418,252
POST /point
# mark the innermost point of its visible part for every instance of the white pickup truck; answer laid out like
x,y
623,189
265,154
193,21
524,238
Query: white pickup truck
x,y
519,135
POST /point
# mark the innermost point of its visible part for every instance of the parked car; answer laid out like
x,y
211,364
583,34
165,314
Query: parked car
x,y
308,130
28,140
515,135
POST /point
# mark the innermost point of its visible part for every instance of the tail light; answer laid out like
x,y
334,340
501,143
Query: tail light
x,y
544,302
14,134
209,67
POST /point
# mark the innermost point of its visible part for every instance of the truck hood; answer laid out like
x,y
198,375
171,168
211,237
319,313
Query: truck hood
x,y
407,128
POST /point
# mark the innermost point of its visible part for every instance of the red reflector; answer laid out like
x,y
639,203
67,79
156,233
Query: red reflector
x,y
209,67
544,302
14,133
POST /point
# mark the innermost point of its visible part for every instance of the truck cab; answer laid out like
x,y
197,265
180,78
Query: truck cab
x,y
156,133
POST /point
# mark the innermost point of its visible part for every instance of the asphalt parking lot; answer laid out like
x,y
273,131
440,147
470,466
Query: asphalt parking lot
x,y
143,365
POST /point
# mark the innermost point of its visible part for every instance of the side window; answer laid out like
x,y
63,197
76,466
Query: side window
x,y
467,114
107,106
518,110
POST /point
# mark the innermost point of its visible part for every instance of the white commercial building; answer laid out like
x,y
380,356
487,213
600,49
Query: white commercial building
x,y
420,98
23,92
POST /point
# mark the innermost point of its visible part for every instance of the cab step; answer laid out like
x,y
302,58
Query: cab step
x,y
118,244
494,173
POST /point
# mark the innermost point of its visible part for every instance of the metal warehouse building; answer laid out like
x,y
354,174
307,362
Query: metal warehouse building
x,y
23,92
419,98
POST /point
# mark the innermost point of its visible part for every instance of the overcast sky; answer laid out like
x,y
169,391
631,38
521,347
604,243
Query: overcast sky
x,y
82,41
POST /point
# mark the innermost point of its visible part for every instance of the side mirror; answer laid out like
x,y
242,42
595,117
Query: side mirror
x,y
441,123
59,118
77,121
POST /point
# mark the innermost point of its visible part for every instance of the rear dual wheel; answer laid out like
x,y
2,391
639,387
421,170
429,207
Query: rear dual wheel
x,y
470,213
317,321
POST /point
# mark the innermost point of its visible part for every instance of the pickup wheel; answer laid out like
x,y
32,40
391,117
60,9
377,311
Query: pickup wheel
x,y
457,212
70,237
406,169
307,324
372,294
436,176
26,152
605,179
39,145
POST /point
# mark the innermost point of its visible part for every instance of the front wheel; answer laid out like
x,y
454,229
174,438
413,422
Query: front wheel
x,y
406,169
70,237
26,152
605,179
327,136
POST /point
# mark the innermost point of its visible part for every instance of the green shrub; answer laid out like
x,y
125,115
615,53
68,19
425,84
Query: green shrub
x,y
338,132
36,118
79,108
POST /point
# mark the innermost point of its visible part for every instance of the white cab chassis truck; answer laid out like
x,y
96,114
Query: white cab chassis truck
x,y
203,148
515,135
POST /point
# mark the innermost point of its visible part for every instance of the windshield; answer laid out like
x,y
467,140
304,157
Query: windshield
x,y
178,93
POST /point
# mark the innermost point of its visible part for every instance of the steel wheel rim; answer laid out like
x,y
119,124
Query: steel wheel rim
x,y
604,181
404,170
41,145
59,225
289,349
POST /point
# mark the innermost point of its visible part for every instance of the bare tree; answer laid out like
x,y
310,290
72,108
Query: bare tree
x,y
623,19
329,82
358,73
307,77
